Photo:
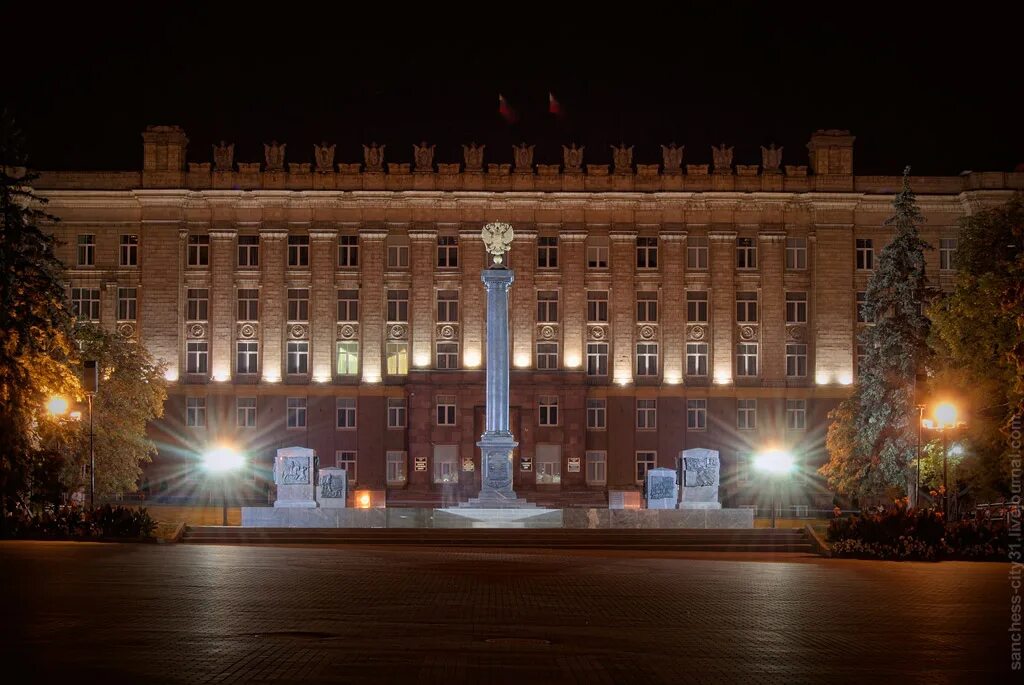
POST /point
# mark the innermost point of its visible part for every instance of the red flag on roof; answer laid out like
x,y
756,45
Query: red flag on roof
x,y
506,112
554,106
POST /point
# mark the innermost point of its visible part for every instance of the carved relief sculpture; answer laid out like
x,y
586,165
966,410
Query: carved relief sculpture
x,y
672,158
522,155
223,156
722,157
473,155
497,239
622,156
324,156
373,157
771,159
572,157
423,155
273,154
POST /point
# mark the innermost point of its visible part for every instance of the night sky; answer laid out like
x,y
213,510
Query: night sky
x,y
934,90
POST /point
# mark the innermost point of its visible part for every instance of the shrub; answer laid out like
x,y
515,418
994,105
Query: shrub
x,y
74,522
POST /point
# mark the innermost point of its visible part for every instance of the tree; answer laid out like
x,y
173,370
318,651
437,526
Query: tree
x,y
35,327
977,341
872,435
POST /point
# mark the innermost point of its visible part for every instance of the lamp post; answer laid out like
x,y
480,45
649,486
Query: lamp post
x,y
221,461
917,454
774,463
945,420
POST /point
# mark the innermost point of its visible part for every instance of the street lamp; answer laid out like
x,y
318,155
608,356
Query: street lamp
x,y
775,464
945,421
57,406
221,461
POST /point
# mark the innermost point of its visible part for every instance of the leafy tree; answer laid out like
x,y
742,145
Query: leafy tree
x,y
872,435
35,326
978,341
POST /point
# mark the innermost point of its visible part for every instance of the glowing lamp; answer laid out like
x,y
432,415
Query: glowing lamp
x,y
945,415
845,379
572,361
775,462
822,379
222,459
363,500
221,376
171,375
672,379
522,361
371,378
722,378
57,406
321,378
421,360
472,359
271,378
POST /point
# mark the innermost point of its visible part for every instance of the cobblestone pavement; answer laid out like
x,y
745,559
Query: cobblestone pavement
x,y
218,614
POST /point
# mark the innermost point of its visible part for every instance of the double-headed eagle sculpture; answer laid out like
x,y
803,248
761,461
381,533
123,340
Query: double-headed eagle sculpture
x,y
497,239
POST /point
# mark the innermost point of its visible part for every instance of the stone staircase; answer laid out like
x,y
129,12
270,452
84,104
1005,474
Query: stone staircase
x,y
673,540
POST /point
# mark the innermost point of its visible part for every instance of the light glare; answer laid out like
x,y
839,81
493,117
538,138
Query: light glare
x,y
222,458
774,462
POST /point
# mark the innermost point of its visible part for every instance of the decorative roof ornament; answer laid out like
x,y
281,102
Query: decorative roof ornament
x,y
497,239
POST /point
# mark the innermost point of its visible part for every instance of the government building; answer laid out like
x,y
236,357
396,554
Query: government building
x,y
338,305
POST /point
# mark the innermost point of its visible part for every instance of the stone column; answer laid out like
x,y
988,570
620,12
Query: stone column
x,y
723,304
272,302
323,257
222,301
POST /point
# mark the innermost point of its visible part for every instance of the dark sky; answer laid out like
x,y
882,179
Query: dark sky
x,y
930,88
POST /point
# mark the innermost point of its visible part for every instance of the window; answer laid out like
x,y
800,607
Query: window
x,y
796,414
348,251
597,256
796,307
298,304
597,306
199,250
446,410
346,459
85,303
697,306
195,412
396,467
746,253
646,414
645,461
298,250
398,305
796,360
248,304
597,467
248,251
547,410
861,354
796,253
696,359
398,256
246,410
447,252
647,359
647,306
696,415
697,253
597,359
597,415
547,306
865,254
947,253
743,468
547,356
447,355
862,314
396,412
348,305
346,411
298,357
247,357
296,412
746,414
129,253
447,306
197,354
446,463
549,464
746,359
647,253
746,307
198,304
87,250
397,358
127,304
348,358
547,253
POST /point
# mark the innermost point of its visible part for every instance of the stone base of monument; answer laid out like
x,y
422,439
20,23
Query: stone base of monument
x,y
491,500
700,505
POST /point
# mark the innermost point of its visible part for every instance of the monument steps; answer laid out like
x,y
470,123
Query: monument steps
x,y
693,540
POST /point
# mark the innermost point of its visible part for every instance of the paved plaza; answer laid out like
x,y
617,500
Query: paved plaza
x,y
122,613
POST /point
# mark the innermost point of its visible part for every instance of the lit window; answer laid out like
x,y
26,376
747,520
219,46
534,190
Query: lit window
x,y
746,414
647,253
447,252
398,306
696,359
597,256
796,414
129,252
447,306
248,251
298,250
396,412
199,250
746,307
796,253
346,410
647,359
696,415
547,356
247,357
547,306
446,410
547,253
197,353
597,306
796,360
447,355
645,461
396,467
296,412
348,358
647,414
597,359
647,307
298,304
197,304
796,307
248,304
446,468
865,254
298,357
348,251
547,410
397,358
398,256
127,304
697,306
346,459
549,464
746,359
348,305
746,253
597,467
697,253
246,410
195,412
597,415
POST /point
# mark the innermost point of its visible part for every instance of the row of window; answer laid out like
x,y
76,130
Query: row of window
x,y
198,253
547,413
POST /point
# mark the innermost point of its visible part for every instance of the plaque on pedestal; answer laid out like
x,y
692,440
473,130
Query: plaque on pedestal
x,y
662,489
332,488
698,470
293,475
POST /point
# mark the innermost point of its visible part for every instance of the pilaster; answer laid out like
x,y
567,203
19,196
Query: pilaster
x,y
422,260
574,305
473,314
623,303
323,247
222,301
673,304
772,317
723,303
372,302
524,297
273,246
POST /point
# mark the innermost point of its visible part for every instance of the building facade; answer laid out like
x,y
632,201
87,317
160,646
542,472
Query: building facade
x,y
339,306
